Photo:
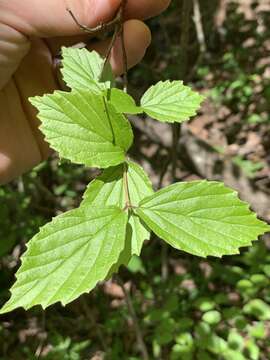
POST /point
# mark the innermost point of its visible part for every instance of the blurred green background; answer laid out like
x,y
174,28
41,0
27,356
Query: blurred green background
x,y
186,307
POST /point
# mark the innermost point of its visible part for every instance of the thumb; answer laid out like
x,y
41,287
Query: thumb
x,y
51,18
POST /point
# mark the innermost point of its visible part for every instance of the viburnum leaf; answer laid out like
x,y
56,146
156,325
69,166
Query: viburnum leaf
x,y
68,257
125,255
202,218
108,189
123,103
84,128
83,69
171,101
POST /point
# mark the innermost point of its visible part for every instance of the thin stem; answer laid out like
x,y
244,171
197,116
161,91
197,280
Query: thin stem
x,y
184,39
164,261
118,25
183,65
93,323
125,60
176,132
95,30
176,128
132,312
125,86
119,29
41,344
197,18
109,50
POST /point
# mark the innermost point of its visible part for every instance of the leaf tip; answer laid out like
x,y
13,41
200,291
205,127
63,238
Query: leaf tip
x,y
6,308
35,100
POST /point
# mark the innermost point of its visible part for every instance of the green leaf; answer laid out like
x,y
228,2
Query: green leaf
x,y
123,103
212,317
235,340
205,304
253,349
257,308
233,355
68,257
84,128
216,344
124,256
108,189
243,285
171,101
202,218
259,280
203,355
250,168
135,265
258,330
83,69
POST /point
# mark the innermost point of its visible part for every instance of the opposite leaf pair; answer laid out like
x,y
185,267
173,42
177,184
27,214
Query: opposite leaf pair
x,y
87,125
119,208
86,245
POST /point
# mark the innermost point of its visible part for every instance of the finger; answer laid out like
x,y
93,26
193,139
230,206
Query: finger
x,y
13,47
41,79
18,148
55,44
145,9
50,18
137,38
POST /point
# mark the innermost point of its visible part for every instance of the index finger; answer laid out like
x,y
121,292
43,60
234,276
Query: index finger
x,y
50,18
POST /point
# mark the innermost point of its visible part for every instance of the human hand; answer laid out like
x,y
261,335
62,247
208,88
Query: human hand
x,y
31,34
